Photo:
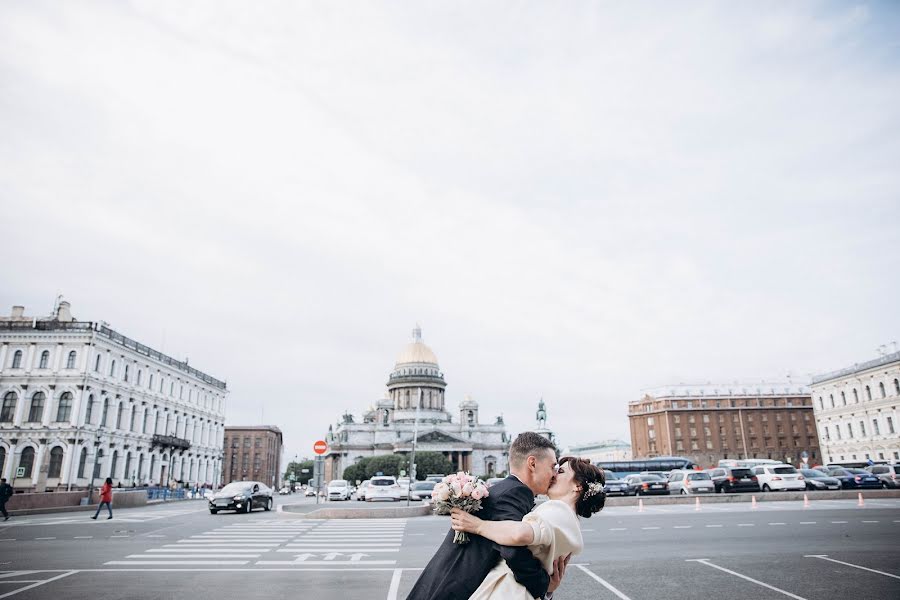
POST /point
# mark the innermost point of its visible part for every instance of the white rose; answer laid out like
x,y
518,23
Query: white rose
x,y
441,492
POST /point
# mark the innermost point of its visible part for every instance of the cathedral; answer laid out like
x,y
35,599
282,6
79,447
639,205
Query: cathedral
x,y
389,426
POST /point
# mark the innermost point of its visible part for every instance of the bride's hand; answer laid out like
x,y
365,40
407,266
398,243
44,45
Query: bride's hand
x,y
460,520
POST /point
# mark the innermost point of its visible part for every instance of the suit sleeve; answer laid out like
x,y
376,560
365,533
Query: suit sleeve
x,y
528,570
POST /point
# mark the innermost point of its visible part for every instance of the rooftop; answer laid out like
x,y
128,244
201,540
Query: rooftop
x,y
726,390
881,361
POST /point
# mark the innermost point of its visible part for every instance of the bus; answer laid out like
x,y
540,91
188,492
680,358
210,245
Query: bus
x,y
632,467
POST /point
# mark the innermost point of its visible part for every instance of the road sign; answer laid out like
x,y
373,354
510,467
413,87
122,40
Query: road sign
x,y
20,472
292,477
304,470
320,447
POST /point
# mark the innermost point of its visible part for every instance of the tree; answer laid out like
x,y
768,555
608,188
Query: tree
x,y
392,464
432,462
300,478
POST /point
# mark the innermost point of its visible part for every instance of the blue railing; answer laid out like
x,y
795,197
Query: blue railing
x,y
161,493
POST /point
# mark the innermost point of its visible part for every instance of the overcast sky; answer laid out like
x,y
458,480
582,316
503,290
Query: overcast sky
x,y
576,200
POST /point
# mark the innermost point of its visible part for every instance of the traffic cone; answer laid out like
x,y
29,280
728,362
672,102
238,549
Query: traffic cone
x,y
697,504
753,503
805,501
640,505
860,502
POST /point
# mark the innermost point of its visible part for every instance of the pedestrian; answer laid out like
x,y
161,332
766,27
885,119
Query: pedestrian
x,y
105,498
6,493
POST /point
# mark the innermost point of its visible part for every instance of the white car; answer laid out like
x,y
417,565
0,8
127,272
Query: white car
x,y
691,482
338,489
404,483
383,487
779,478
361,490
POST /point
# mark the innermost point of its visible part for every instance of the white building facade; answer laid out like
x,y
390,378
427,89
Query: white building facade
x,y
856,411
389,426
602,451
79,399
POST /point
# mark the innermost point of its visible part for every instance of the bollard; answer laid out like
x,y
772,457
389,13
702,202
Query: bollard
x,y
697,504
860,502
640,505
805,501
753,503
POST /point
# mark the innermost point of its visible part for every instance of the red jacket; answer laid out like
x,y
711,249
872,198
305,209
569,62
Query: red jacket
x,y
106,493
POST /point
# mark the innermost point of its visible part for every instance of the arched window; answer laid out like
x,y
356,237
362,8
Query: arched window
x,y
36,414
26,461
133,415
843,399
98,463
150,382
140,469
45,359
2,458
17,359
881,389
112,368
56,460
105,411
114,463
64,410
897,386
70,362
138,382
855,396
119,416
868,393
821,403
89,413
144,426
831,396
97,364
126,372
127,474
9,409
82,461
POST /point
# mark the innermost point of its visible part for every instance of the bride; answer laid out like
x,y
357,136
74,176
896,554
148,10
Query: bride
x,y
551,531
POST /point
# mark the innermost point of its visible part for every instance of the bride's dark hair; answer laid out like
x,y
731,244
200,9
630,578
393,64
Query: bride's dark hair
x,y
585,474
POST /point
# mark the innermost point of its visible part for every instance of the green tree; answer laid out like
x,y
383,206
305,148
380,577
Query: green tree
x,y
432,462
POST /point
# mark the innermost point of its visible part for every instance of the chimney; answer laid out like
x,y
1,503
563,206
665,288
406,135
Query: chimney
x,y
63,313
18,312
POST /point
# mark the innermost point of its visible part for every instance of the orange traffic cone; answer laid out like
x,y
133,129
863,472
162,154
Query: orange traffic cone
x,y
805,501
640,505
860,502
697,504
753,503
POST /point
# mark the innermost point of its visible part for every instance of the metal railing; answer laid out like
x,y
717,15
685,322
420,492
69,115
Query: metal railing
x,y
869,364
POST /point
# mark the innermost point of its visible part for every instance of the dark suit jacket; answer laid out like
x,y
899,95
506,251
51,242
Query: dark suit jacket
x,y
456,570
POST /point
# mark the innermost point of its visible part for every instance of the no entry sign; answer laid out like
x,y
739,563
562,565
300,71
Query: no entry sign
x,y
320,447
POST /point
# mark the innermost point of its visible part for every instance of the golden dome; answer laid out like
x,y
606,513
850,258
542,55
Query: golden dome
x,y
416,351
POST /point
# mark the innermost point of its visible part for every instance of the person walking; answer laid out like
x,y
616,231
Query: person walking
x,y
105,498
6,493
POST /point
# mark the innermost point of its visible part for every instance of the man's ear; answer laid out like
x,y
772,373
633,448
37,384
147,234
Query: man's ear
x,y
531,461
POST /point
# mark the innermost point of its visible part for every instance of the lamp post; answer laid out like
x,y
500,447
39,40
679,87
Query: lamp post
x,y
94,468
412,459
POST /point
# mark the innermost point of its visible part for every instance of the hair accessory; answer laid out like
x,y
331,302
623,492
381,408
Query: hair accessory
x,y
593,489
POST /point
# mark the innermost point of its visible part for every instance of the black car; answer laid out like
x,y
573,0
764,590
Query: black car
x,y
817,480
888,474
733,479
615,487
644,485
242,496
851,479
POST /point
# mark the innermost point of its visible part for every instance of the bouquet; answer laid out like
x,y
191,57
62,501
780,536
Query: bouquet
x,y
462,491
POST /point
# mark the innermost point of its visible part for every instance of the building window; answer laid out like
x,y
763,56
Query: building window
x,y
837,432
831,397
150,382
119,416
64,410
144,425
97,364
868,393
36,414
827,434
133,415
26,461
875,427
862,428
850,430
706,418
843,399
114,464
709,444
105,412
56,459
70,362
881,389
890,424
112,368
45,359
90,409
9,408
17,360
126,373
855,396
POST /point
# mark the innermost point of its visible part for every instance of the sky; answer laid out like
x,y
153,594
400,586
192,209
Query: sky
x,y
577,201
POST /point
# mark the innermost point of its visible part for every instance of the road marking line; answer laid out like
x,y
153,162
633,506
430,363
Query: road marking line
x,y
83,537
45,538
22,581
34,585
119,536
777,523
705,561
683,526
746,524
713,525
395,585
326,562
344,550
176,562
825,557
603,582
870,521
650,528
839,521
618,528
193,556
807,522
169,550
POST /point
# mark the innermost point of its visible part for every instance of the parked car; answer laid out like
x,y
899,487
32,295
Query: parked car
x,y
819,480
242,496
383,487
642,485
404,483
421,490
733,479
888,474
284,491
361,490
615,487
338,489
779,477
852,480
491,481
865,479
435,477
661,474
691,482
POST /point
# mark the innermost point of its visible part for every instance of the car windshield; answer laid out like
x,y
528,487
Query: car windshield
x,y
859,471
841,472
783,470
650,478
698,476
896,469
741,473
235,488
424,485
338,483
382,482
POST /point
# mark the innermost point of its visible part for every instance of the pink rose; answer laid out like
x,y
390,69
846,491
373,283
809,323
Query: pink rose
x,y
477,494
468,489
455,488
441,492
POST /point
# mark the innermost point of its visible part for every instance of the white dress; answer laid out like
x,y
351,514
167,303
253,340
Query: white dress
x,y
556,533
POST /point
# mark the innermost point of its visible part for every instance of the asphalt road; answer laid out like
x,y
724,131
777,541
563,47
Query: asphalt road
x,y
833,549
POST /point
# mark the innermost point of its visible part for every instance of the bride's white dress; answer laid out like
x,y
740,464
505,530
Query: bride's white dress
x,y
556,533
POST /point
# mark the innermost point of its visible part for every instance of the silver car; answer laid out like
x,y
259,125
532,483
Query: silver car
x,y
691,482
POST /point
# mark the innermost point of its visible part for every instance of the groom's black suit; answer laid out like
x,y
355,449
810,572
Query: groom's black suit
x,y
456,570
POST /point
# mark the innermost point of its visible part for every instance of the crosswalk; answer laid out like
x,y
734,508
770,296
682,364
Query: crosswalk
x,y
81,518
337,543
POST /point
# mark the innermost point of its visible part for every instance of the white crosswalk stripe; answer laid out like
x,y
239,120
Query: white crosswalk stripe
x,y
309,543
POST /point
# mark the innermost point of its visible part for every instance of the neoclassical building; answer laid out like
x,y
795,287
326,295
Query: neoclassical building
x,y
856,411
389,425
79,399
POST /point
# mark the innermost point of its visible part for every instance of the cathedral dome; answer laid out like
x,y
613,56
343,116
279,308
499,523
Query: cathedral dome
x,y
416,352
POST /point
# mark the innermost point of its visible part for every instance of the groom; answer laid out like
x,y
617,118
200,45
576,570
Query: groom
x,y
456,570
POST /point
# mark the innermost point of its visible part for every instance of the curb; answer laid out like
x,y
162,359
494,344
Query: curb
x,y
358,513
745,497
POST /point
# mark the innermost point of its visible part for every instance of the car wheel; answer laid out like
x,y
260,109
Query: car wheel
x,y
213,511
269,504
249,508
683,492
885,485
766,488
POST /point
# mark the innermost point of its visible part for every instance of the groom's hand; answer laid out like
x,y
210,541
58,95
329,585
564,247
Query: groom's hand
x,y
559,571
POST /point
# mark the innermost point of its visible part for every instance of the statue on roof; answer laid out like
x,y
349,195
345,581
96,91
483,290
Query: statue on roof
x,y
541,415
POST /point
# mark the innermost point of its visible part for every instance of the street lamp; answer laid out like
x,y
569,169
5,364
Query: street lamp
x,y
94,468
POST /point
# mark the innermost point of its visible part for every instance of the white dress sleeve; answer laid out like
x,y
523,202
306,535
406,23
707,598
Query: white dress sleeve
x,y
556,532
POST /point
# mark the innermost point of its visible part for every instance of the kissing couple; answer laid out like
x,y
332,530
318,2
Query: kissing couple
x,y
518,551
